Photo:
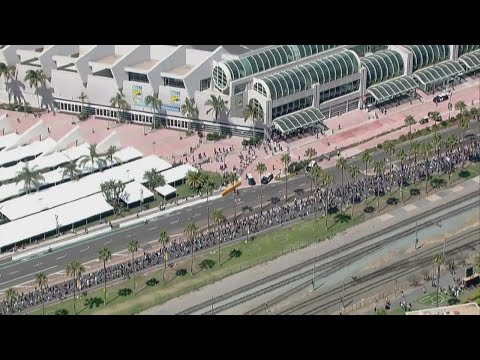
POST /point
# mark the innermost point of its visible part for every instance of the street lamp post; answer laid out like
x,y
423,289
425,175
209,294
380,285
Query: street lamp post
x,y
154,143
58,226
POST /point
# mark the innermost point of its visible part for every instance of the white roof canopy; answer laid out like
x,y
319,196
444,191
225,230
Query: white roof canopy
x,y
8,140
166,190
38,224
135,192
25,151
178,173
71,191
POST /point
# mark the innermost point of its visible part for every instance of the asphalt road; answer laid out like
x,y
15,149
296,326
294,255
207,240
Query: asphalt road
x,y
20,272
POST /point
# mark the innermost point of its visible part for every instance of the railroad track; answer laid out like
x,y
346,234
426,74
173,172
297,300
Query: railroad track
x,y
346,247
321,302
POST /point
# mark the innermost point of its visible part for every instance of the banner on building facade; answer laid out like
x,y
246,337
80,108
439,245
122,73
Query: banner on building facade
x,y
175,102
137,95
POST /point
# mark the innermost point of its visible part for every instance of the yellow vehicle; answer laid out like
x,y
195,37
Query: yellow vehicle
x,y
231,188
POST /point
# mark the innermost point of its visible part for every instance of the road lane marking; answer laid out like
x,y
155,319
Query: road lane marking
x,y
196,215
153,241
88,248
21,277
175,222
38,264
91,261
189,209
13,272
108,242
130,235
152,228
61,257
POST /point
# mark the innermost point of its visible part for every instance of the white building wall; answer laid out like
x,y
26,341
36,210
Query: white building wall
x,y
67,85
101,89
96,52
46,58
138,54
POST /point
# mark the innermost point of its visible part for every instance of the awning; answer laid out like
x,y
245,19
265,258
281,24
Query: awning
x,y
165,190
438,73
388,90
302,119
471,60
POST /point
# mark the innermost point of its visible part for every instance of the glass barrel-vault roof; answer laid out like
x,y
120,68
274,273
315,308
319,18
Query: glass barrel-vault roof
x,y
426,55
382,66
471,60
321,71
390,89
439,72
464,49
267,59
300,120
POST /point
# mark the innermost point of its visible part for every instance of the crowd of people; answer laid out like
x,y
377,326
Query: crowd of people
x,y
248,224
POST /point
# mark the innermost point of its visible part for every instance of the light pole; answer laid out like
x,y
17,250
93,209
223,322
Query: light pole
x,y
154,143
58,226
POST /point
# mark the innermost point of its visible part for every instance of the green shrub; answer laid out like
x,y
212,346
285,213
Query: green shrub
x,y
402,138
215,136
444,124
189,133
82,116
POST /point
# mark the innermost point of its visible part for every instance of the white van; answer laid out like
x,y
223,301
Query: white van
x,y
311,165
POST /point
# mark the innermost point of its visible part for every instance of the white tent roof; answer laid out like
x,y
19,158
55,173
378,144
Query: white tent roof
x,y
8,140
178,173
133,192
10,172
22,152
38,224
125,155
71,191
165,190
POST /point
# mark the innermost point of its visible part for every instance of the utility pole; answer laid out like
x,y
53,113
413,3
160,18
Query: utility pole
x,y
313,277
343,294
416,234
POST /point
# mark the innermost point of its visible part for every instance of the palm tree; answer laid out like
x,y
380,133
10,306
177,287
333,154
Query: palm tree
x,y
251,112
8,72
401,156
118,101
316,173
232,179
437,144
342,165
327,180
353,172
378,168
71,170
425,150
110,155
94,157
164,239
310,153
208,185
133,247
463,124
105,255
389,148
286,159
439,259
194,181
191,232
156,104
366,158
218,218
409,121
190,109
29,177
83,97
261,169
460,106
36,79
154,179
435,116
217,106
413,150
75,270
11,295
42,282
452,143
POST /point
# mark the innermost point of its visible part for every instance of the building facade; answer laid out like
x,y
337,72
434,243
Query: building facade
x,y
292,86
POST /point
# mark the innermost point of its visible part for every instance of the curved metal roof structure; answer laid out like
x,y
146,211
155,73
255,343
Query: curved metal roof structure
x,y
230,70
304,76
465,49
390,89
382,66
471,60
299,120
426,55
439,72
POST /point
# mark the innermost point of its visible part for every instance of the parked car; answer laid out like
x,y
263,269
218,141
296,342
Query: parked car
x,y
440,98
311,165
423,120
251,181
267,178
